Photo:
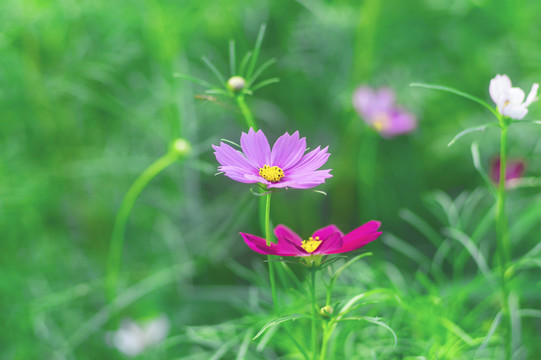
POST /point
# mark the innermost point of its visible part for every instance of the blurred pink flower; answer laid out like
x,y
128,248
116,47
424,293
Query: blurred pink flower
x,y
378,109
513,171
510,100
286,165
325,241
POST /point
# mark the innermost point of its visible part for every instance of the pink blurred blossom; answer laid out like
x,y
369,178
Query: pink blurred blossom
x,y
378,109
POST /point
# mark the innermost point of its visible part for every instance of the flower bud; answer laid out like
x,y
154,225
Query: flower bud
x,y
181,147
236,83
326,311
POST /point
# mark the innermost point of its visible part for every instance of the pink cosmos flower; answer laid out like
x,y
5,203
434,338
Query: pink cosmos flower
x,y
513,171
510,100
286,165
326,241
378,109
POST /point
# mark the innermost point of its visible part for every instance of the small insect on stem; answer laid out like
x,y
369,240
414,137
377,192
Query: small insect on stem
x,y
206,98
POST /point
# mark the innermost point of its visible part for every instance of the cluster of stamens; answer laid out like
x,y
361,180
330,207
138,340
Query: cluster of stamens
x,y
311,244
381,122
271,173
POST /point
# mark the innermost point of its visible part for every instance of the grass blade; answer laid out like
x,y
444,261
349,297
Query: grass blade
x,y
278,321
232,65
470,130
257,48
265,83
459,93
260,70
214,69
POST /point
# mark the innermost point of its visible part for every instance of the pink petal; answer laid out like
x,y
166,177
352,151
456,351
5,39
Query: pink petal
x,y
331,243
256,147
283,232
310,162
238,174
287,151
326,232
283,248
303,181
359,237
227,156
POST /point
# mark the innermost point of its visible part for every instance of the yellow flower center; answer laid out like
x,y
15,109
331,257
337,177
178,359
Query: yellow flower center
x,y
311,245
381,122
271,173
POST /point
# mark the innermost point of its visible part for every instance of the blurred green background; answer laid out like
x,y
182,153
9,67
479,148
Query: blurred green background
x,y
89,100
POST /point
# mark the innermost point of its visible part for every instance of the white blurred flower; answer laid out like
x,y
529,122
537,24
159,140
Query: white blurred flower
x,y
132,338
510,100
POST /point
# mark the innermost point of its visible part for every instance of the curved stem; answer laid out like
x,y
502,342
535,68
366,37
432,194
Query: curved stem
x,y
314,312
503,248
121,220
246,113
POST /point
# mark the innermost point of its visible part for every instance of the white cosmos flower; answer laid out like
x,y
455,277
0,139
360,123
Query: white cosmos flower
x,y
132,338
510,100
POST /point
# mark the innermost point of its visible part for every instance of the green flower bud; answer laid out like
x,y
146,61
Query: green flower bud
x,y
236,83
181,147
326,311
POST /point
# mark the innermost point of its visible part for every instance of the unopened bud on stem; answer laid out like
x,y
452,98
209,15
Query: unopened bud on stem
x,y
326,311
236,83
181,147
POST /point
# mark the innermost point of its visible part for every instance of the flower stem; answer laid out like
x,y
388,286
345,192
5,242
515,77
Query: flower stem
x,y
314,312
503,248
121,220
270,258
246,113
325,340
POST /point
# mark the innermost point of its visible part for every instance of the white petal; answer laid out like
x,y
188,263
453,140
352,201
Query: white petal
x,y
515,111
532,96
499,87
516,96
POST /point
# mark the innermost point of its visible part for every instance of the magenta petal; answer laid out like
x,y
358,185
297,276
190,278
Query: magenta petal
x,y
287,151
303,181
238,174
326,232
310,162
360,237
259,245
331,243
227,156
283,232
256,147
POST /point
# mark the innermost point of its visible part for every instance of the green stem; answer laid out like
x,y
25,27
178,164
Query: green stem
x,y
314,313
121,220
270,258
246,113
325,340
503,248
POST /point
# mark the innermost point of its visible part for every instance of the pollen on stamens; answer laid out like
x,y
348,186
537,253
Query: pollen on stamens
x,y
271,173
311,245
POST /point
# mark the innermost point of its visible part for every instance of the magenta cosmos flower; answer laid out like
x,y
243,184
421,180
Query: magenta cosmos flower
x,y
513,171
286,165
378,109
326,241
